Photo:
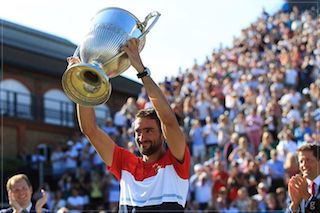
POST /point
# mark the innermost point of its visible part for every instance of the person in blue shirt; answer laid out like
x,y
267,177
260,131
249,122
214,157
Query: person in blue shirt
x,y
276,171
198,146
301,131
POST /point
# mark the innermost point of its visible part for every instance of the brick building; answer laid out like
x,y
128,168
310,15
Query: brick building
x,y
34,108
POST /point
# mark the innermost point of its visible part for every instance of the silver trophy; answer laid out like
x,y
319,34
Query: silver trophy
x,y
87,83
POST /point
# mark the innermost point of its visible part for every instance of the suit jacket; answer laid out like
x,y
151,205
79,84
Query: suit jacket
x,y
32,210
8,210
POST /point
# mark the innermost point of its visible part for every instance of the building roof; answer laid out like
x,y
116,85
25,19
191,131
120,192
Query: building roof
x,y
46,53
35,41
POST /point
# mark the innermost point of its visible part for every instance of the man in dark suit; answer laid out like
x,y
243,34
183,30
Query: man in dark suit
x,y
20,191
304,188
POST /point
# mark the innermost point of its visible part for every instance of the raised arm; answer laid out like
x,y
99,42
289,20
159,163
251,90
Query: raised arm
x,y
170,127
102,143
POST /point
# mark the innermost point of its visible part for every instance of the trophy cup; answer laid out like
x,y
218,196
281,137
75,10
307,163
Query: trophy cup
x,y
87,83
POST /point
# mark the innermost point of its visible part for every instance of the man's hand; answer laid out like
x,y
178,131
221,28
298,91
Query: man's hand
x,y
298,190
131,48
42,201
303,187
13,202
73,60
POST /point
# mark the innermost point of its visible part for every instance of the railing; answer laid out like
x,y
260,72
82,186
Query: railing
x,y
58,112
15,104
48,110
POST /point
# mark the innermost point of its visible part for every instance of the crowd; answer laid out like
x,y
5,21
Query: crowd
x,y
245,112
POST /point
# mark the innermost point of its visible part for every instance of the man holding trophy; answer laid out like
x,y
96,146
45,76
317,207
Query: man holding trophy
x,y
157,181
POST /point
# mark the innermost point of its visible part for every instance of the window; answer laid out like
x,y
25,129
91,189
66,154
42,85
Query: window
x,y
58,109
16,99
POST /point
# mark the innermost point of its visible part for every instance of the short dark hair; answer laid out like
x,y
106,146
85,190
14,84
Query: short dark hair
x,y
314,148
149,113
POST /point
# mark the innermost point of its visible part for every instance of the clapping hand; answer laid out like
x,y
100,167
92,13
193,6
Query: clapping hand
x,y
13,202
298,190
42,201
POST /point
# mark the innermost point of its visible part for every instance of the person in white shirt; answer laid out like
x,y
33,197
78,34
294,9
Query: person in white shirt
x,y
286,145
121,120
291,97
294,114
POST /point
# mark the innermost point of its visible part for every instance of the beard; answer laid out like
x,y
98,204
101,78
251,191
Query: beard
x,y
153,147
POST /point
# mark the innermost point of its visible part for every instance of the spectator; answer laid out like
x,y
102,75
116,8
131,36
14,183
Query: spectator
x,y
240,125
71,156
131,109
112,193
197,169
58,202
58,162
197,141
86,157
202,189
210,133
75,202
286,145
282,199
216,109
121,120
301,130
276,171
20,193
111,130
254,176
242,203
260,197
219,177
203,109
96,190
222,201
254,128
272,203
304,189
230,146
267,143
262,158
224,131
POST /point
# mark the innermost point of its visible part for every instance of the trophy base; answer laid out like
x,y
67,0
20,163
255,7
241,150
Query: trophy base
x,y
86,84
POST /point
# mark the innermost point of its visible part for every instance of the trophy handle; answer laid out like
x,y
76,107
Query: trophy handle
x,y
76,52
151,15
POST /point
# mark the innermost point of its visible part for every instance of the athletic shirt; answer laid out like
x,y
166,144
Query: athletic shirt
x,y
161,185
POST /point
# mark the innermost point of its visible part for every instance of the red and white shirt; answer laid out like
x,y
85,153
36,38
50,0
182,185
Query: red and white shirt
x,y
150,184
